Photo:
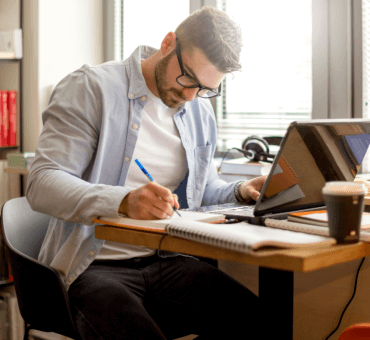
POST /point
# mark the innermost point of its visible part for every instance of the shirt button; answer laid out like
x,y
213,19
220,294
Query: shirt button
x,y
70,279
134,126
91,253
131,95
127,159
143,98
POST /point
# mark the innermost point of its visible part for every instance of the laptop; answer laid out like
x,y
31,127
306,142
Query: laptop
x,y
310,154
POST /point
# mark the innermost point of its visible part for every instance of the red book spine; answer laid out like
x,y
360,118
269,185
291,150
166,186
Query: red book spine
x,y
12,107
3,118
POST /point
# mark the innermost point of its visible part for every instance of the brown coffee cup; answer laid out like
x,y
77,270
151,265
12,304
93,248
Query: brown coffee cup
x,y
345,205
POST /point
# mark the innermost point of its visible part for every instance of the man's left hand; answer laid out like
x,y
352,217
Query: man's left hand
x,y
250,190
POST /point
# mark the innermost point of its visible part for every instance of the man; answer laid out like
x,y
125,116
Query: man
x,y
153,107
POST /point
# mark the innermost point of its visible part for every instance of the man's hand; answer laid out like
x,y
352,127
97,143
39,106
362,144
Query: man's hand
x,y
149,202
250,190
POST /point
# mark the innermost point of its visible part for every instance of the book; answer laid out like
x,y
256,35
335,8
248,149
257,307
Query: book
x,y
244,237
20,160
233,178
12,120
242,166
308,228
159,226
4,118
320,218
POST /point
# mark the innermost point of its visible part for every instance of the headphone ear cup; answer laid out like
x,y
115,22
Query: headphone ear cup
x,y
245,141
255,145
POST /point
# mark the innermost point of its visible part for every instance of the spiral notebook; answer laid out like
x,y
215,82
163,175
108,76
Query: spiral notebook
x,y
244,237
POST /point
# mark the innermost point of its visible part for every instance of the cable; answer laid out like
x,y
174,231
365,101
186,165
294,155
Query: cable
x,y
219,168
354,292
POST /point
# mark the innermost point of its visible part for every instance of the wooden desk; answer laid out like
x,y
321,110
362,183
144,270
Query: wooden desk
x,y
276,271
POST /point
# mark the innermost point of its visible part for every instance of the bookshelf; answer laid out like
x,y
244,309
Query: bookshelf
x,y
19,171
11,71
11,17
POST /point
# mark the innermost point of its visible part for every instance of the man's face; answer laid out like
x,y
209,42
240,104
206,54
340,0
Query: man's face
x,y
195,64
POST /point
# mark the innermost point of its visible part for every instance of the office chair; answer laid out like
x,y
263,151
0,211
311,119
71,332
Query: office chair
x,y
356,331
42,297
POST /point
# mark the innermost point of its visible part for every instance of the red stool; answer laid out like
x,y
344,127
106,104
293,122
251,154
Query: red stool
x,y
356,331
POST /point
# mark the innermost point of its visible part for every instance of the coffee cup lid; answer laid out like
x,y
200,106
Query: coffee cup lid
x,y
344,188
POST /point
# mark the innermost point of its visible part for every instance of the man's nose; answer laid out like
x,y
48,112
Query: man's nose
x,y
190,94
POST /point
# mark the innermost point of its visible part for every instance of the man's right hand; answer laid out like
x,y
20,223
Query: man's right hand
x,y
149,202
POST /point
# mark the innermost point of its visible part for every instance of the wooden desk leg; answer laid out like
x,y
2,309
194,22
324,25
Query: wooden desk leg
x,y
276,298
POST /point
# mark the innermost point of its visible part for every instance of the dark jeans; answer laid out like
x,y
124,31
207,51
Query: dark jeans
x,y
161,298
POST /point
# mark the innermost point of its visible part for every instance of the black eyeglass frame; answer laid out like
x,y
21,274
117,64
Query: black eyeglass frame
x,y
183,73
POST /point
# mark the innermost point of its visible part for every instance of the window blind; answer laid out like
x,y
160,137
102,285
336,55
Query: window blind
x,y
275,85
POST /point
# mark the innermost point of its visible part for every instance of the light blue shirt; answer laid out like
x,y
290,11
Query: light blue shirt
x,y
85,150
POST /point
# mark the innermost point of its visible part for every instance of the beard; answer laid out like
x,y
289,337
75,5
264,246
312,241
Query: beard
x,y
170,96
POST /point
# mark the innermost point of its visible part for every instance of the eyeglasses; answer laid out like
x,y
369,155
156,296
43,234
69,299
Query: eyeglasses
x,y
189,82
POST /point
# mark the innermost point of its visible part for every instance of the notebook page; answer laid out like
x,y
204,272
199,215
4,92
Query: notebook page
x,y
124,220
241,236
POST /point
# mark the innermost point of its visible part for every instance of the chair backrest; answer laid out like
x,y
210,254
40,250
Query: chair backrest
x,y
42,298
25,228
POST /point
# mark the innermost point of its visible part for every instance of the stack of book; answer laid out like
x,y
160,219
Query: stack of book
x,y
243,166
8,121
20,160
315,222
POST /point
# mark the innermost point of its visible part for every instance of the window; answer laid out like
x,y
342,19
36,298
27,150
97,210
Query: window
x,y
146,22
275,84
297,59
366,57
366,71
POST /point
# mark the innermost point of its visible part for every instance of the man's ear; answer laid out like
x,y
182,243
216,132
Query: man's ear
x,y
168,44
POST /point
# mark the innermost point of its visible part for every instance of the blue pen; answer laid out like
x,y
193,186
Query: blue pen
x,y
151,179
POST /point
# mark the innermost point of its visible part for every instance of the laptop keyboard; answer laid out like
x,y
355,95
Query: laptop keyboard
x,y
246,210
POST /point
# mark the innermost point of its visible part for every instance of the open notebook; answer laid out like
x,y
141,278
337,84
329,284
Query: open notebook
x,y
242,237
159,225
246,238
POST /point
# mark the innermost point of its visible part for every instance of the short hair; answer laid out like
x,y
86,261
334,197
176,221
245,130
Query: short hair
x,y
215,34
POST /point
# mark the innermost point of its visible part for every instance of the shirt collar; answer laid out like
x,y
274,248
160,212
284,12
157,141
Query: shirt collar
x,y
137,87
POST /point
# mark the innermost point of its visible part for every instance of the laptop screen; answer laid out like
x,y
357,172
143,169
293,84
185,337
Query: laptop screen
x,y
311,154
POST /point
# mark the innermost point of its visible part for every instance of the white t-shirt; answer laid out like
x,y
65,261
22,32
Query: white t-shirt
x,y
160,151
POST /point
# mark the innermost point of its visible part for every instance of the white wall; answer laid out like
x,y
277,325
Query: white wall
x,y
60,37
